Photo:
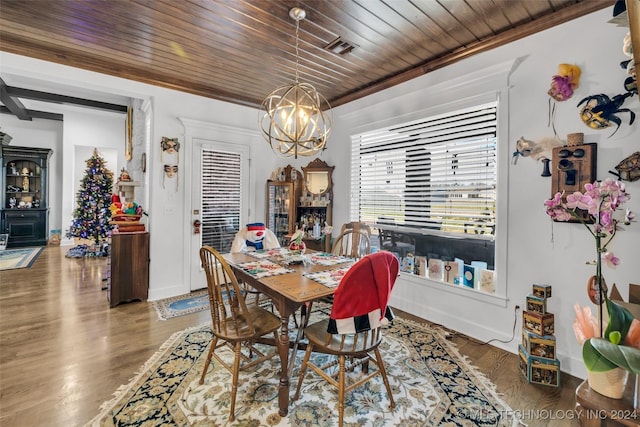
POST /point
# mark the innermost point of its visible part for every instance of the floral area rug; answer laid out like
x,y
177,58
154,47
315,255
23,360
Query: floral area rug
x,y
181,305
18,258
431,383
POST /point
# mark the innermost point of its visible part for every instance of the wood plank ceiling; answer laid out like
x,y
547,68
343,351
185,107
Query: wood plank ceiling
x,y
240,50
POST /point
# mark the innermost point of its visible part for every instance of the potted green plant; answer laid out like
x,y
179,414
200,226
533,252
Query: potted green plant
x,y
609,359
609,354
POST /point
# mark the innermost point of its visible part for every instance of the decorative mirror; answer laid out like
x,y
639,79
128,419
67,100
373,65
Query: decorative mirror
x,y
317,177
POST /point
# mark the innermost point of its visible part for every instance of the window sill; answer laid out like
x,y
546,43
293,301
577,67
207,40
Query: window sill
x,y
494,299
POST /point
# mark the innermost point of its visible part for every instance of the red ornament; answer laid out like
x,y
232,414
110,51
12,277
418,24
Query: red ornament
x,y
295,246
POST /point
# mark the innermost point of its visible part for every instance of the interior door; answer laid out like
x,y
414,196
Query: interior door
x,y
220,195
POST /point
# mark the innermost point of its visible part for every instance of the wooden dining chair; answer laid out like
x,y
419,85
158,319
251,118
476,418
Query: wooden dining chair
x,y
233,322
352,244
356,226
353,333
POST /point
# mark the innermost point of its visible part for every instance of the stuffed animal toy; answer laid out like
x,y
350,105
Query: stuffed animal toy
x,y
253,237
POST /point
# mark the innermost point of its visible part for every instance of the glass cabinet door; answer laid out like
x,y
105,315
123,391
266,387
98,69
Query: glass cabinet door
x,y
280,208
23,185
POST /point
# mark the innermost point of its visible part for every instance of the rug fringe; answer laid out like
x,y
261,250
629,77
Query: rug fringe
x,y
124,388
472,369
159,311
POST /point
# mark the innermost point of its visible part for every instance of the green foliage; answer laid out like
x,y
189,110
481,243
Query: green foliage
x,y
621,356
604,354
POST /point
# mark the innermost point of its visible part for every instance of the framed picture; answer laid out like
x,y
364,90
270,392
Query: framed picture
x,y
128,137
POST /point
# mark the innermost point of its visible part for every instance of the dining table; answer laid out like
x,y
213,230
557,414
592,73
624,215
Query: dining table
x,y
290,281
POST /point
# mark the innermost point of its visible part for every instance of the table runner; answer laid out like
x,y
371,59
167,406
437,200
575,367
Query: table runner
x,y
268,253
328,278
263,268
326,259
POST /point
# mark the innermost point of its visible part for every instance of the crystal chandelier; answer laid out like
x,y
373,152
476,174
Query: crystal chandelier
x,y
292,119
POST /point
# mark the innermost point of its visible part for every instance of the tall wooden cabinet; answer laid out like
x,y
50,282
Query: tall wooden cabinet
x,y
283,193
25,195
300,201
128,273
281,213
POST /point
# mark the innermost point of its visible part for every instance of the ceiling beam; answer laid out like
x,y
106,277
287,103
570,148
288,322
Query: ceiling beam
x,y
14,105
10,97
36,95
33,114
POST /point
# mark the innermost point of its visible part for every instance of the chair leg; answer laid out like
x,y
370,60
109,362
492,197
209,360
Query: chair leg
x,y
303,369
383,373
341,376
234,381
214,342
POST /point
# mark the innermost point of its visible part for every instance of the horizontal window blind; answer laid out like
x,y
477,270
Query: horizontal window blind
x,y
431,176
221,192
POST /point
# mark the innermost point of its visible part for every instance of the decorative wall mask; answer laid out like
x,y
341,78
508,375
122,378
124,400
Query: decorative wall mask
x,y
600,111
562,87
631,82
170,153
170,146
170,172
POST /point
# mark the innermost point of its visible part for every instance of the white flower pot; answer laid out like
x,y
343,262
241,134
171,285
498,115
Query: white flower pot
x,y
609,383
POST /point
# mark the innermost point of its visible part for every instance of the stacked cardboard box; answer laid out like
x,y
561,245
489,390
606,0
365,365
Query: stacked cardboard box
x,y
537,352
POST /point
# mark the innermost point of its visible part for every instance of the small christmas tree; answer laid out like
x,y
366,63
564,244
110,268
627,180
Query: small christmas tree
x,y
92,214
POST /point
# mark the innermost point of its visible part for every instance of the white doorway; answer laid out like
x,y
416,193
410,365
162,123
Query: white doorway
x,y
219,199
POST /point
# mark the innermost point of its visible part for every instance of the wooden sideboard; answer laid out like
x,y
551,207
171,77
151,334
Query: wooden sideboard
x,y
128,277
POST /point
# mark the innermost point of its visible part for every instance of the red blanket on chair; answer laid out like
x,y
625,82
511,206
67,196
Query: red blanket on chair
x,y
360,301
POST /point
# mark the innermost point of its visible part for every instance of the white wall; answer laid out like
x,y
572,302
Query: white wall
x,y
532,256
84,131
169,219
538,251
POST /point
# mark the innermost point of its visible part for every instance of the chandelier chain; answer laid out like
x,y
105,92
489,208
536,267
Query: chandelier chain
x,y
297,52
291,117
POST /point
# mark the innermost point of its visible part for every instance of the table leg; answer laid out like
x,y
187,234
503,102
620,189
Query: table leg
x,y
283,351
305,310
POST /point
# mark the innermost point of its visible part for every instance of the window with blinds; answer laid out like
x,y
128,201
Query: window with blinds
x,y
434,176
221,198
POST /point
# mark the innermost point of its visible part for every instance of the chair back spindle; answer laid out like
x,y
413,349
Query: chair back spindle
x,y
352,244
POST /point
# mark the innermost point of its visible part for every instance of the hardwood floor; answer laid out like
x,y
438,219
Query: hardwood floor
x,y
63,352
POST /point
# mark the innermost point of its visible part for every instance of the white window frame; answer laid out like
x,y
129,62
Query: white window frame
x,y
481,86
431,176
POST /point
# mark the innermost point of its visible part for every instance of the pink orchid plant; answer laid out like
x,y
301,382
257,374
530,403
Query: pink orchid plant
x,y
619,344
600,201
